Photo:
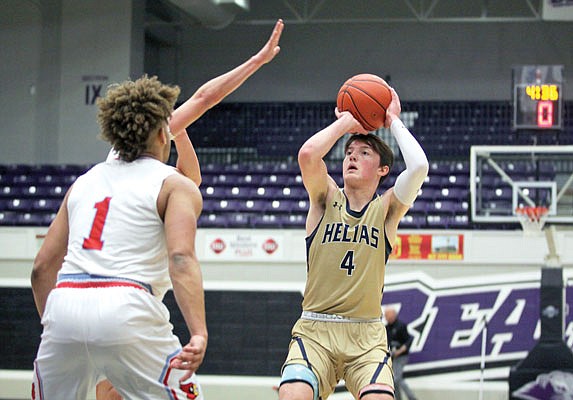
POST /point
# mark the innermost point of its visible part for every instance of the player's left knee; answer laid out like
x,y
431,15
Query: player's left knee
x,y
376,388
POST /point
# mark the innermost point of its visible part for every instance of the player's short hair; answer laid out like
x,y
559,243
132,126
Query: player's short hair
x,y
132,110
379,146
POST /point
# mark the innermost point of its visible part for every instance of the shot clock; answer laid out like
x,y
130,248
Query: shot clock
x,y
537,97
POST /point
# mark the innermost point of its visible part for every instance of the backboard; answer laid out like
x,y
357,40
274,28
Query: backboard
x,y
503,178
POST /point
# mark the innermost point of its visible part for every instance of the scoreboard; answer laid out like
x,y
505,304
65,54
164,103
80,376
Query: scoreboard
x,y
537,97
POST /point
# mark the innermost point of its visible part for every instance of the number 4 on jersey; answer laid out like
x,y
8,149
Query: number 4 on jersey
x,y
94,242
348,262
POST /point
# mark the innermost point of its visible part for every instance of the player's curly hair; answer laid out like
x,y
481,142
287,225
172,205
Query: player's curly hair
x,y
132,110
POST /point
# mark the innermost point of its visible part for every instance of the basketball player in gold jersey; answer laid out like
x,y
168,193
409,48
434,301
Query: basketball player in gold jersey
x,y
349,235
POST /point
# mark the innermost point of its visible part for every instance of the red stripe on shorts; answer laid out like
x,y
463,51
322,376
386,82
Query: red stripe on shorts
x,y
94,284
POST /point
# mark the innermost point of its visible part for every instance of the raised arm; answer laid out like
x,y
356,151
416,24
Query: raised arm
x,y
313,169
187,161
209,95
410,180
215,90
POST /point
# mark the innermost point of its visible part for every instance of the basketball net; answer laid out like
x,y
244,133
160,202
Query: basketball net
x,y
532,219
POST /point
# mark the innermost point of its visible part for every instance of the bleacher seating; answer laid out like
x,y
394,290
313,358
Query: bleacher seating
x,y
251,178
262,196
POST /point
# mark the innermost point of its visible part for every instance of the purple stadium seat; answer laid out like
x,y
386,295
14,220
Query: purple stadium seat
x,y
23,179
249,179
9,192
211,192
420,206
57,191
282,180
292,221
49,179
266,221
459,222
294,192
428,193
436,221
213,220
46,205
31,219
238,220
4,204
452,193
439,168
456,180
281,206
498,206
300,206
412,221
235,169
497,193
8,218
433,181
254,206
268,192
446,207
226,206
237,192
284,167
207,179
209,205
19,204
489,180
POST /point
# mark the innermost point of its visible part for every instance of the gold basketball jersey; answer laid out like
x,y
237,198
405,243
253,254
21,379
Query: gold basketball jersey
x,y
346,260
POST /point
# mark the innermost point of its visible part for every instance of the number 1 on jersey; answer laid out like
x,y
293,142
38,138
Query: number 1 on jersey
x,y
94,242
348,262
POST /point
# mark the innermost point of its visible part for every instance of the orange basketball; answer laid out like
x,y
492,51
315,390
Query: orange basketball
x,y
367,97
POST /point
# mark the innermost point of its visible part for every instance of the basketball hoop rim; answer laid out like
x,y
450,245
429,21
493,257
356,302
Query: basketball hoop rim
x,y
532,218
533,212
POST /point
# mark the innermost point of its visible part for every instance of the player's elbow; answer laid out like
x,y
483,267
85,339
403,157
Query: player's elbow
x,y
180,262
421,169
39,269
308,154
35,275
207,98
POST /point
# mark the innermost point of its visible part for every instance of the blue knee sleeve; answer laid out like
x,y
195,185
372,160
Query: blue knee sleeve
x,y
300,373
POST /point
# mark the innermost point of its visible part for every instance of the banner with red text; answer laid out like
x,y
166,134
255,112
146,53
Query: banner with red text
x,y
243,246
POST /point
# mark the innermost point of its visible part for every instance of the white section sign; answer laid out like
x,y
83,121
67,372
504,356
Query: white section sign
x,y
226,246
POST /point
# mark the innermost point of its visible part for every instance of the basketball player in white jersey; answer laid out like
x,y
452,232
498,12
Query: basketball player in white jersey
x,y
124,235
340,334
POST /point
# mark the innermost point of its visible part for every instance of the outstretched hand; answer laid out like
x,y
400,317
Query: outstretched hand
x,y
271,48
191,356
354,125
394,108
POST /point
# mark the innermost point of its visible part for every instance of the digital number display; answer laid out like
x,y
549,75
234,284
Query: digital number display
x,y
543,92
537,106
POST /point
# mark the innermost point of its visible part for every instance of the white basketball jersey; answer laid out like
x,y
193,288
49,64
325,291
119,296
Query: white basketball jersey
x,y
115,229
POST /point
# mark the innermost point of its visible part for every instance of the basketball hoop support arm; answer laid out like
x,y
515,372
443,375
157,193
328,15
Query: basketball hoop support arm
x,y
564,188
552,259
507,179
